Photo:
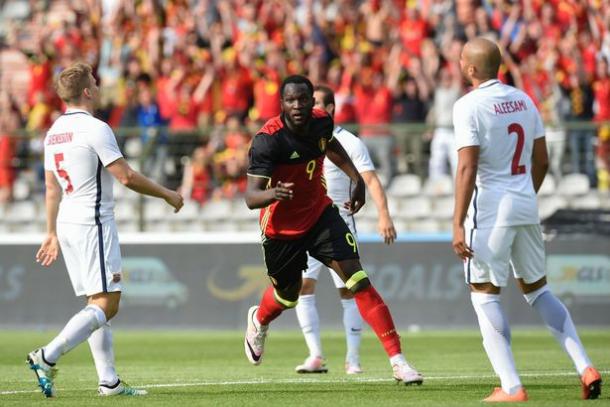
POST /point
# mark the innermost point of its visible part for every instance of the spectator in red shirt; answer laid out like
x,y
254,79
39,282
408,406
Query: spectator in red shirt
x,y
9,122
196,179
231,173
235,137
235,85
550,26
6,166
163,83
601,90
413,30
341,82
40,76
266,94
588,53
180,102
581,140
373,102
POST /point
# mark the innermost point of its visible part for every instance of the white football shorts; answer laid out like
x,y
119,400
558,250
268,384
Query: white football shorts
x,y
496,248
314,266
92,255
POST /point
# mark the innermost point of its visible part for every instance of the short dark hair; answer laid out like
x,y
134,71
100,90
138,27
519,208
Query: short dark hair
x,y
296,79
329,95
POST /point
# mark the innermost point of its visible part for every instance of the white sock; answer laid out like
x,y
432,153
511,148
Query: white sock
x,y
100,343
496,339
309,321
398,359
557,318
77,330
352,321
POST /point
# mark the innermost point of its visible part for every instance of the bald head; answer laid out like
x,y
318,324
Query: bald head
x,y
480,60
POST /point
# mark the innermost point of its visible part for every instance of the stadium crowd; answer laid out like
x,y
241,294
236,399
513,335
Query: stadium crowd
x,y
212,69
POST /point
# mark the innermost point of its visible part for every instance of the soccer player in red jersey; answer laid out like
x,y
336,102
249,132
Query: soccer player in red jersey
x,y
285,180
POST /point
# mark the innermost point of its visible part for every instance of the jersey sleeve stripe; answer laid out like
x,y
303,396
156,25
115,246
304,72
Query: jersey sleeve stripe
x,y
265,220
258,176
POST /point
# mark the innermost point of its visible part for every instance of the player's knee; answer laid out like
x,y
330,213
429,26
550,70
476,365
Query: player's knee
x,y
110,309
361,285
345,294
308,287
357,281
113,309
288,300
108,302
486,288
532,296
527,288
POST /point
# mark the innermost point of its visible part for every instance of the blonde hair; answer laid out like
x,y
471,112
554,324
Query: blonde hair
x,y
72,81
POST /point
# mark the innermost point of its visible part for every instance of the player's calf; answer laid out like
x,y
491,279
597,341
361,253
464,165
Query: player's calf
x,y
558,319
376,313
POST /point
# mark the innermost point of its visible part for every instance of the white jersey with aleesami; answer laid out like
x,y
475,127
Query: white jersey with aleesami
x,y
77,149
504,122
339,185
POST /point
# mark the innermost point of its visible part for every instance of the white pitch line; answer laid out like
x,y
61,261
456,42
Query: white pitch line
x,y
312,380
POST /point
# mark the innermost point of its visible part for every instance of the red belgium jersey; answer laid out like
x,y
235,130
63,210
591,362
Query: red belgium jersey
x,y
280,155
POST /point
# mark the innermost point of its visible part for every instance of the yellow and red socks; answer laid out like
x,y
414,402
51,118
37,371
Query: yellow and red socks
x,y
269,308
376,313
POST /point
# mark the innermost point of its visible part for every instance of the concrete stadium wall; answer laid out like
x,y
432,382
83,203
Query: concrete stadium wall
x,y
209,281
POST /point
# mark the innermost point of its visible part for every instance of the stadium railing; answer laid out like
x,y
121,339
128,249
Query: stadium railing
x,y
417,203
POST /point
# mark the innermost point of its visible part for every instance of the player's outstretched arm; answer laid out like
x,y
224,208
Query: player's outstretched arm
x,y
540,162
139,183
385,225
49,250
259,196
336,153
468,158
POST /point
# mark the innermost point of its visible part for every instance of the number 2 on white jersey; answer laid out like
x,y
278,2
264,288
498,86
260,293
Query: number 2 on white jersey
x,y
516,128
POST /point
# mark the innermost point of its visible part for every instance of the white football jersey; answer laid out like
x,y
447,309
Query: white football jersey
x,y
339,185
504,122
77,149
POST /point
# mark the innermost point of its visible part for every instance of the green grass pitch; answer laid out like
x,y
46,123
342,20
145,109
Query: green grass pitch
x,y
209,368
